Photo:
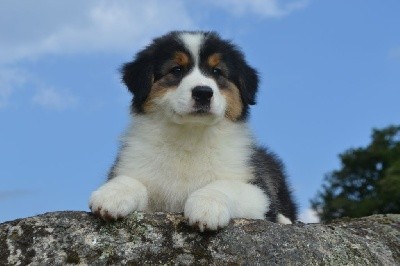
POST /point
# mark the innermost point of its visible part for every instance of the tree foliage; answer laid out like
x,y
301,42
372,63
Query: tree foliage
x,y
368,181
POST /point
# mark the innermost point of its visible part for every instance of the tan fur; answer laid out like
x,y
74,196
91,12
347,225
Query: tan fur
x,y
214,59
157,91
233,101
181,59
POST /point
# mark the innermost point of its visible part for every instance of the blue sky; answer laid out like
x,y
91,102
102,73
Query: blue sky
x,y
330,72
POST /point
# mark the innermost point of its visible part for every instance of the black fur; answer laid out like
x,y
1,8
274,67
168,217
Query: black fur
x,y
270,176
146,69
140,74
239,72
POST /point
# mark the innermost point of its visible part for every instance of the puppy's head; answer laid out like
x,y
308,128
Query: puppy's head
x,y
191,77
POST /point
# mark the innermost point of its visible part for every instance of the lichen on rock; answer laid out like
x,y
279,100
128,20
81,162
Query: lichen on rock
x,y
165,238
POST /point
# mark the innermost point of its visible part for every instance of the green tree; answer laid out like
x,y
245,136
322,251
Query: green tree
x,y
368,181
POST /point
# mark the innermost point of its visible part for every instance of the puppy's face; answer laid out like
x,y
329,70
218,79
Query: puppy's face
x,y
191,77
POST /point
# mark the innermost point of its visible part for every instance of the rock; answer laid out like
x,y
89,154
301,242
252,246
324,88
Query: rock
x,y
164,238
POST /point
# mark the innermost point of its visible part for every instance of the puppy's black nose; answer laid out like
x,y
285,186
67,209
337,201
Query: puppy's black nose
x,y
202,94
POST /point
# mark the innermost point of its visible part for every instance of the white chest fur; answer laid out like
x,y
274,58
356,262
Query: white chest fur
x,y
174,160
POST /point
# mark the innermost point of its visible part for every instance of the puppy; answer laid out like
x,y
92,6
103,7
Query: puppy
x,y
189,148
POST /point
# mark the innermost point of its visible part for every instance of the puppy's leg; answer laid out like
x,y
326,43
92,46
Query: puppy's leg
x,y
212,206
118,197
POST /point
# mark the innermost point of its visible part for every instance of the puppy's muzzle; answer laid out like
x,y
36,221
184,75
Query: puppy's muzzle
x,y
202,96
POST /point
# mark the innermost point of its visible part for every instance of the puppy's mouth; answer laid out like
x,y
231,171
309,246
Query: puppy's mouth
x,y
201,110
196,116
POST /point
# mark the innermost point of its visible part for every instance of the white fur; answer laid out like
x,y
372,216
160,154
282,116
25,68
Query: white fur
x,y
282,219
212,206
196,169
119,197
175,161
193,42
178,104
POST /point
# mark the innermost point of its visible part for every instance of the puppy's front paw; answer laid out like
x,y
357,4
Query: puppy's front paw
x,y
208,209
118,197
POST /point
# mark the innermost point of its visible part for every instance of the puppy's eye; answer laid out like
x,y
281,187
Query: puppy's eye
x,y
177,71
217,72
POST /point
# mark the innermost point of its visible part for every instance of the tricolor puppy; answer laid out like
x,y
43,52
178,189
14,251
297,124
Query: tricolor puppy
x,y
188,148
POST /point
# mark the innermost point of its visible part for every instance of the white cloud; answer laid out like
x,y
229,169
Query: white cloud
x,y
14,80
29,29
308,216
10,80
42,26
50,98
264,8
33,29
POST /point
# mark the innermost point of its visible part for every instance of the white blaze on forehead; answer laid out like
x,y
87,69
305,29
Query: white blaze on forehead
x,y
193,43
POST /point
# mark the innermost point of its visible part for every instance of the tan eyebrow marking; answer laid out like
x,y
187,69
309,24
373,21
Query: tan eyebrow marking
x,y
181,59
214,59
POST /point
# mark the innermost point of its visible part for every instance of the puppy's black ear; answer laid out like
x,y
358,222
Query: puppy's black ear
x,y
248,83
138,77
